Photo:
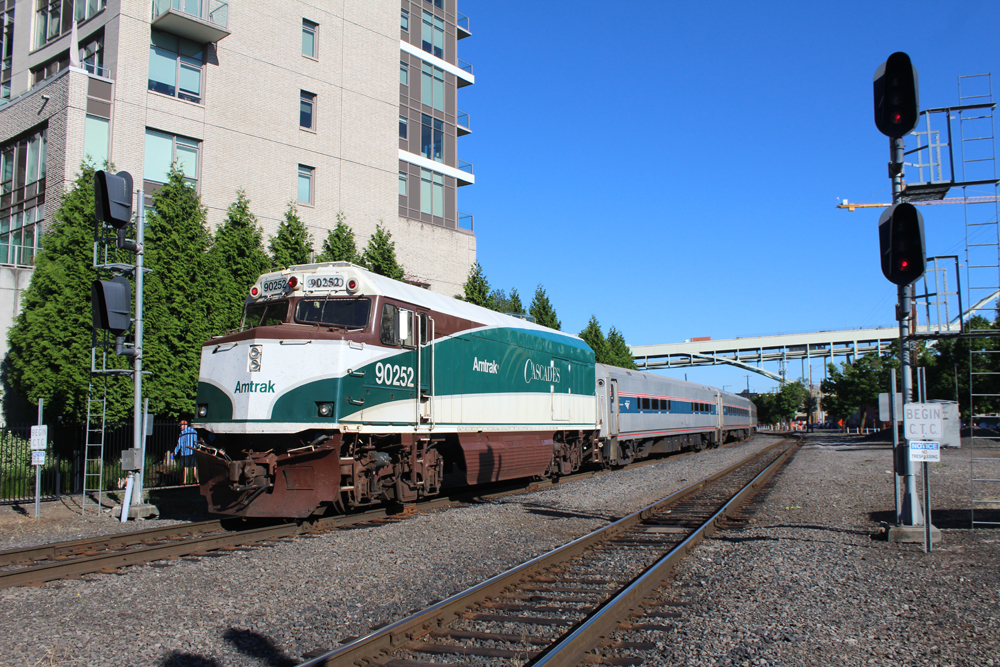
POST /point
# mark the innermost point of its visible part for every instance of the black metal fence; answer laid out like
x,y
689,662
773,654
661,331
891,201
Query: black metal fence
x,y
62,472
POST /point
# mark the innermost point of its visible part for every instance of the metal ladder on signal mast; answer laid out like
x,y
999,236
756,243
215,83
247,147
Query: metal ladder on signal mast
x,y
982,238
93,447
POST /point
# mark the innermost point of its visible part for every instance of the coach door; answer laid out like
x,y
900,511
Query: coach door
x,y
425,370
613,425
718,418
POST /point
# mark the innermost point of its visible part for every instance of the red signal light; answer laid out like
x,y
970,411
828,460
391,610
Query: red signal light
x,y
292,282
903,264
254,291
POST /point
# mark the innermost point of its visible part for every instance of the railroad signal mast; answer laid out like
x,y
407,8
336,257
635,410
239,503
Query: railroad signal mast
x,y
901,237
111,301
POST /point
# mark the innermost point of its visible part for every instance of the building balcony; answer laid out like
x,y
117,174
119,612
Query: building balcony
x,y
201,21
466,168
463,26
462,123
466,222
467,68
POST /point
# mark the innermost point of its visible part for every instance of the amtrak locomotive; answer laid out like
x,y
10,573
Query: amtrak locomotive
x,y
344,388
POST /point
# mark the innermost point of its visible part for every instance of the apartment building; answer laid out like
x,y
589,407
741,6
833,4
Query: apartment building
x,y
295,101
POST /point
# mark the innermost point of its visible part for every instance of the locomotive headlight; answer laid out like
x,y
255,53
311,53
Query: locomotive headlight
x,y
254,352
324,409
202,410
254,365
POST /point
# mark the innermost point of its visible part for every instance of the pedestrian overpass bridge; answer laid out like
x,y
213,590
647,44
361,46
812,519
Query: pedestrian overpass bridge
x,y
751,353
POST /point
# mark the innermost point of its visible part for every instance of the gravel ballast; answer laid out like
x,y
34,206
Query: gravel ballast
x,y
802,584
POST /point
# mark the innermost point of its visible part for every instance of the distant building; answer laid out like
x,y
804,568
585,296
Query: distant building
x,y
297,102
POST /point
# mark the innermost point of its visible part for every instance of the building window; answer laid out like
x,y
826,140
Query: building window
x,y
163,150
96,133
51,68
404,73
92,57
87,9
307,110
432,138
402,127
52,19
432,37
309,34
437,3
175,66
22,198
306,184
432,86
402,183
431,192
6,49
404,19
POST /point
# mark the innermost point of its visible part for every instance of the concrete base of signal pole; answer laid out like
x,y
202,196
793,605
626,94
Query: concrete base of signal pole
x,y
912,534
140,511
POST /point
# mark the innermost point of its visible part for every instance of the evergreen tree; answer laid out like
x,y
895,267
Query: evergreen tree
x,y
293,243
49,342
238,258
542,310
380,255
515,305
339,245
476,287
180,293
619,353
595,339
498,301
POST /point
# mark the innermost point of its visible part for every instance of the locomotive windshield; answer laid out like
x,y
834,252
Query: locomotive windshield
x,y
265,314
349,313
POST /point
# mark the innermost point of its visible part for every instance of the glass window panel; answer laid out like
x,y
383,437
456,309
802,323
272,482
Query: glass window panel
x,y
4,224
32,170
158,156
190,82
426,87
40,19
191,50
192,7
162,70
164,40
438,37
42,153
4,248
404,20
438,195
402,183
426,33
306,110
425,191
305,184
187,160
309,38
402,127
404,73
53,31
439,89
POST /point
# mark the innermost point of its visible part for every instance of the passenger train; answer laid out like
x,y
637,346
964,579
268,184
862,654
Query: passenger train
x,y
344,388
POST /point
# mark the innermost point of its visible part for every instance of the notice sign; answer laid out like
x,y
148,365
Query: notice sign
x,y
922,421
923,451
37,457
39,437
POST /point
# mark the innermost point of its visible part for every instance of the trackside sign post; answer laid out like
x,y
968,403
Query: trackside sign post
x,y
922,424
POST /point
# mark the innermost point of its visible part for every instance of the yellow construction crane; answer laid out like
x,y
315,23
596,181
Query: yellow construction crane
x,y
950,200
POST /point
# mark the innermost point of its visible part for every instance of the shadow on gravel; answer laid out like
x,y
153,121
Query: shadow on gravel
x,y
178,659
960,519
258,646
563,514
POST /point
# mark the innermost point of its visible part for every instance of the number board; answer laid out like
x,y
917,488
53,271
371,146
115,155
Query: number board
x,y
324,281
274,286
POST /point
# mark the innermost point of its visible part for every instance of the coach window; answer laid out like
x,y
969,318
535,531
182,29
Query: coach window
x,y
387,330
645,404
405,327
423,328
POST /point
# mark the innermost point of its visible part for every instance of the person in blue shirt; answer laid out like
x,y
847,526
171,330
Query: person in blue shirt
x,y
185,449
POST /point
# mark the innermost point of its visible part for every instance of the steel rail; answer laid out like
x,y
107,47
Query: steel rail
x,y
394,635
571,648
76,558
116,540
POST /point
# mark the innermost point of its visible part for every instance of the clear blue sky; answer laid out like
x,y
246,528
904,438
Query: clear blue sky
x,y
674,167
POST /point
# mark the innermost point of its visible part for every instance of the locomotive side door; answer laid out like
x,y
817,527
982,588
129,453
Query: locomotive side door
x,y
425,371
613,404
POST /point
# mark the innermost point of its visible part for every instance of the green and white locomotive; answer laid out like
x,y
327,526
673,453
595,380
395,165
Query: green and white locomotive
x,y
344,388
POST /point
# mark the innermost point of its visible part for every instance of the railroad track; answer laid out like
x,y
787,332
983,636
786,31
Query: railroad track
x,y
571,605
106,554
